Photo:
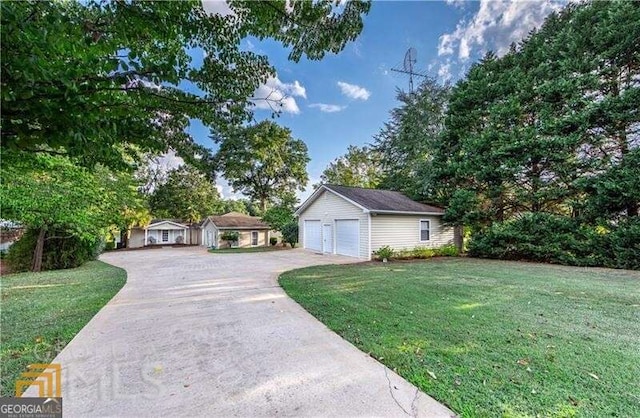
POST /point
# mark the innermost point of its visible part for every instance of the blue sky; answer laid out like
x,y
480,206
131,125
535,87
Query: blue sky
x,y
345,99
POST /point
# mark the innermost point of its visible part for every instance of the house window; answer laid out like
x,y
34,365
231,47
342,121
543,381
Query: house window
x,y
425,227
254,237
165,235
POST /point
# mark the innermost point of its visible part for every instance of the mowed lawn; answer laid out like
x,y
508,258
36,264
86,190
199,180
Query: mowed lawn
x,y
42,312
490,338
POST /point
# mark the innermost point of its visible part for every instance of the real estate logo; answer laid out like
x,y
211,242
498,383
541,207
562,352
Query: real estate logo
x,y
47,377
48,404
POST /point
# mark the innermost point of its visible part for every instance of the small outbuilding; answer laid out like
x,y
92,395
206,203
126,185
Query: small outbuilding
x,y
355,222
164,232
252,231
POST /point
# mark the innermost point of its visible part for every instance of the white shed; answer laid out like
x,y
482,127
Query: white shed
x,y
355,222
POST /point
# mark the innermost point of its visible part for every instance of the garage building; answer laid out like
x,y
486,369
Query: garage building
x,y
355,222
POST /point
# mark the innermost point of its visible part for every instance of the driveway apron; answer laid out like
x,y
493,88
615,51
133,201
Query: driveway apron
x,y
200,334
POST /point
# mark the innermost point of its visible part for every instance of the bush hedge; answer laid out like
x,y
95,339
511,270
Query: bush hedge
x,y
558,239
389,253
290,234
62,252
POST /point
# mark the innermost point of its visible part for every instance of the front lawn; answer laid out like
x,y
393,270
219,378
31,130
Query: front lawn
x,y
42,312
490,338
249,249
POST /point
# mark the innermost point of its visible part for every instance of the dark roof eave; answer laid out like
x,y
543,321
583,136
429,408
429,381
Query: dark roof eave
x,y
253,228
401,212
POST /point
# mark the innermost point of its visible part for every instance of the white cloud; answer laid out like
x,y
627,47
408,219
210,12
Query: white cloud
x,y
353,91
276,95
444,71
220,7
356,47
226,191
458,4
328,108
495,26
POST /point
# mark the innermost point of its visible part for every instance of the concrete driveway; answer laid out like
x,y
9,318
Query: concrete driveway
x,y
199,334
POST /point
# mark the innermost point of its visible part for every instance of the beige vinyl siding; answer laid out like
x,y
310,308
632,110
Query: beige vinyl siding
x,y
245,238
136,239
327,208
403,232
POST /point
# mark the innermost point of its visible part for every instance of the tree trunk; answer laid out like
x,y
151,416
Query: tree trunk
x,y
124,238
37,253
457,237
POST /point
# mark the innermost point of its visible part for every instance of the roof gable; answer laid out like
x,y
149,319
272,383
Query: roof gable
x,y
237,220
161,224
375,200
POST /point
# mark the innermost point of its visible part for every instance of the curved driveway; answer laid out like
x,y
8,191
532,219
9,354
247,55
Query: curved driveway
x,y
199,334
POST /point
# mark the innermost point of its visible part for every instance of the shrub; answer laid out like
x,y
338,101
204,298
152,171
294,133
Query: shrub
x,y
384,253
558,239
58,253
290,234
447,251
423,252
273,240
230,237
620,248
109,245
415,253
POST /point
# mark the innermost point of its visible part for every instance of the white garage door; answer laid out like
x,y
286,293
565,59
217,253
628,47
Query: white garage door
x,y
347,233
313,235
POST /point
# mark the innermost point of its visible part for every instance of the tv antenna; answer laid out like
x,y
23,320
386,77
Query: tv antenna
x,y
409,66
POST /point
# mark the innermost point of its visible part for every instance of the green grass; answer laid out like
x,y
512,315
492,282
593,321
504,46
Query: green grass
x,y
490,338
249,249
42,312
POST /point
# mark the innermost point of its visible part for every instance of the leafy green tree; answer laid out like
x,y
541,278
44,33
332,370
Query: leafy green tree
x,y
57,199
187,194
277,217
290,234
264,162
231,205
405,143
531,131
230,236
359,167
98,80
614,194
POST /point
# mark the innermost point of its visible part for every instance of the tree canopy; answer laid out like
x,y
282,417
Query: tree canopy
x,y
102,81
264,162
359,167
53,196
535,151
407,140
187,194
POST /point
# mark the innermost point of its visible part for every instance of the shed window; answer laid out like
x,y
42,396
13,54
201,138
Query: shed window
x,y
254,237
425,227
165,235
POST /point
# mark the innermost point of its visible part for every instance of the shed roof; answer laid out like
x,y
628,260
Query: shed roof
x,y
377,201
237,220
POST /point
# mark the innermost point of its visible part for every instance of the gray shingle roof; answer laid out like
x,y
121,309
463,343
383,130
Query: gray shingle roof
x,y
383,200
239,221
